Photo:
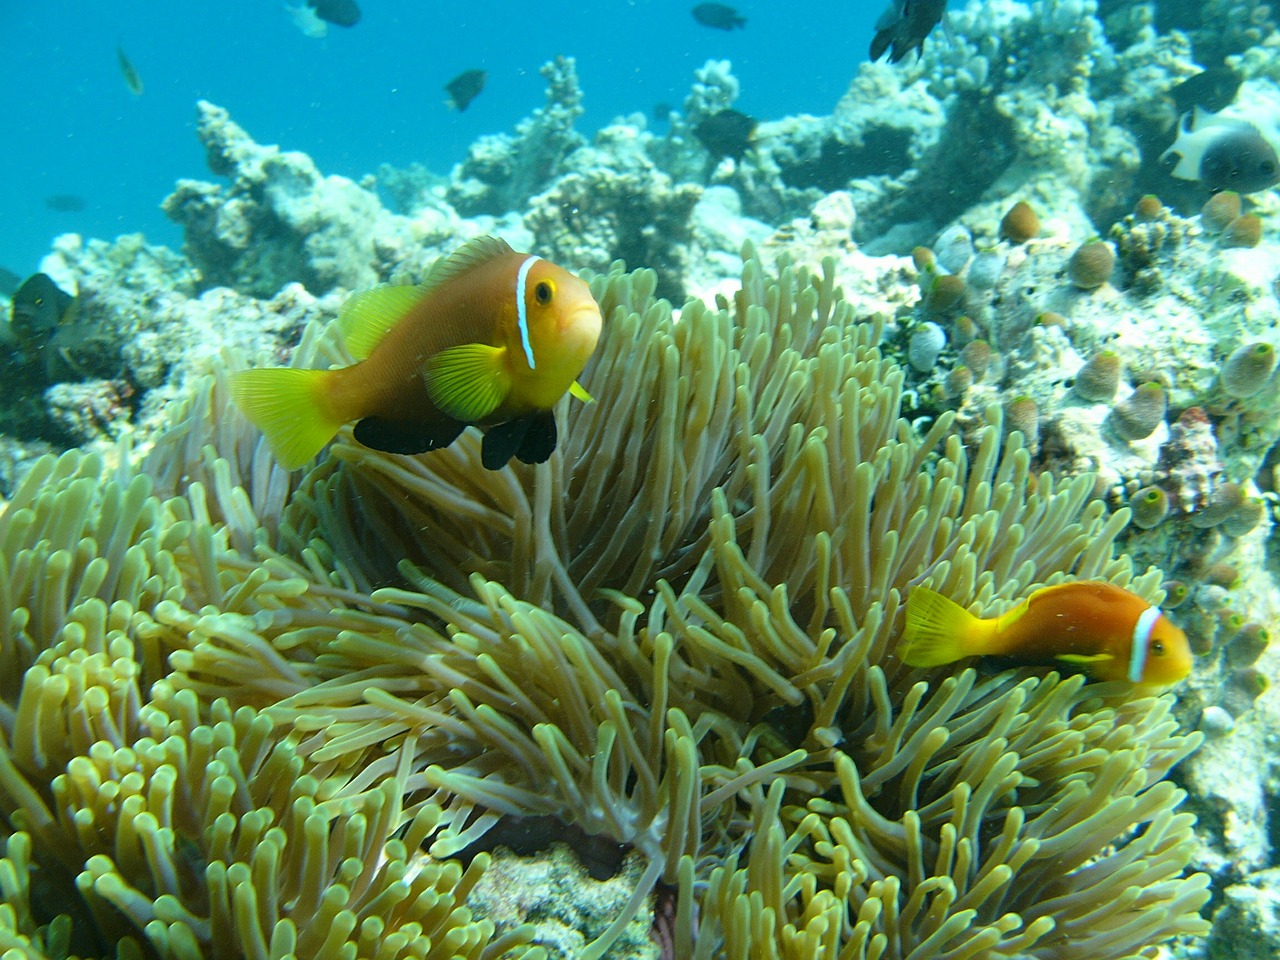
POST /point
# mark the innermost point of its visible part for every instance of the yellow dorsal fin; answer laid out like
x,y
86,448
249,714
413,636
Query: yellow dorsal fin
x,y
470,255
939,630
579,391
467,382
368,315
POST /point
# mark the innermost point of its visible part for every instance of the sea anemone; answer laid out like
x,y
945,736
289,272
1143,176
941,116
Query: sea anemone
x,y
977,356
1148,209
924,345
1247,369
1020,223
1137,415
924,258
943,293
1249,643
1223,574
1091,265
957,383
1219,210
1098,378
259,715
1227,497
1247,515
1150,506
1022,413
1244,231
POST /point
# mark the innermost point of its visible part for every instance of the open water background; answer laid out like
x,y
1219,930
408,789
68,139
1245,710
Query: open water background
x,y
356,98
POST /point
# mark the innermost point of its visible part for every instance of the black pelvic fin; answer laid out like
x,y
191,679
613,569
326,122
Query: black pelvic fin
x,y
529,439
501,442
539,440
407,436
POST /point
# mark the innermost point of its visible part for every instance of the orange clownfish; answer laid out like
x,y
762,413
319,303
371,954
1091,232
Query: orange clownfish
x,y
1098,628
491,337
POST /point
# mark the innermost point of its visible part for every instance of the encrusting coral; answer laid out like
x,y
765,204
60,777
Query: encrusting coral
x,y
258,713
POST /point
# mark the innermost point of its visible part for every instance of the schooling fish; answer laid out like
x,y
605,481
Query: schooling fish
x,y
65,202
131,78
464,88
718,16
44,322
1212,89
39,308
1223,153
727,133
342,13
305,19
904,27
1097,628
492,337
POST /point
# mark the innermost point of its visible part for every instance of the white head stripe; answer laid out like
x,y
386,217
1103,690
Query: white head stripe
x,y
522,314
1141,635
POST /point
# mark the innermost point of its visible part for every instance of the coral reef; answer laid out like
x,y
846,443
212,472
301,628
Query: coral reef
x,y
679,633
280,220
502,172
255,714
615,204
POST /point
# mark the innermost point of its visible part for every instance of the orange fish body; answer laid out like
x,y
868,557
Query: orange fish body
x,y
492,337
1098,628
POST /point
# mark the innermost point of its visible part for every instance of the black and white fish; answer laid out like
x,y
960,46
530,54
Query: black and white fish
x,y
904,26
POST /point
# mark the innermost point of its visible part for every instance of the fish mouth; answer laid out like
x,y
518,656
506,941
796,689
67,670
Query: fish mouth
x,y
583,324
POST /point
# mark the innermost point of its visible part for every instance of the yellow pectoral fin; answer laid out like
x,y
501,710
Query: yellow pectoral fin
x,y
1084,659
468,382
578,390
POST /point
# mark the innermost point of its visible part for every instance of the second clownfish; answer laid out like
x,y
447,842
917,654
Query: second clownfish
x,y
1097,628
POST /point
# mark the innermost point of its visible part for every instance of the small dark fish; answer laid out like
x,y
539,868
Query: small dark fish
x,y
39,305
1212,89
65,203
904,27
342,13
131,78
9,282
41,310
718,16
1241,160
661,112
1223,153
464,88
726,134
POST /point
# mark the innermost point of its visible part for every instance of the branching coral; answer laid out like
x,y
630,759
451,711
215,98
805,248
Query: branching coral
x,y
247,706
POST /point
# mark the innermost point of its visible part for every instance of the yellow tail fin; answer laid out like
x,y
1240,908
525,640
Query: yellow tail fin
x,y
938,630
289,407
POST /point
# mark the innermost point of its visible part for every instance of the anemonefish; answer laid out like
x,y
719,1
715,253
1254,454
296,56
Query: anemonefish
x,y
1097,628
492,337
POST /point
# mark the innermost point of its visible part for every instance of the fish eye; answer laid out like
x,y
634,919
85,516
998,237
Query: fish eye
x,y
1157,647
543,292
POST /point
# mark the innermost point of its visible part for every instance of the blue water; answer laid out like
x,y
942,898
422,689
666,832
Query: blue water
x,y
356,98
